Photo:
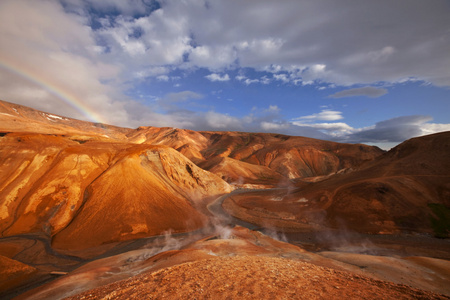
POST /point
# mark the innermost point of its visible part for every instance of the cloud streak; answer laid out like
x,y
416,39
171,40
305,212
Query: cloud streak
x,y
367,91
324,115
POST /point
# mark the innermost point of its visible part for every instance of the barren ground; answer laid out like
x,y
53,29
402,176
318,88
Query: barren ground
x,y
251,277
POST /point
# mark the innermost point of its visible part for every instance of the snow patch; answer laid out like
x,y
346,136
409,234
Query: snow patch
x,y
5,114
302,200
54,117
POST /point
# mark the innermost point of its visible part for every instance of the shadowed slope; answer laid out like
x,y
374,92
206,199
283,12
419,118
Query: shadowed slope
x,y
13,273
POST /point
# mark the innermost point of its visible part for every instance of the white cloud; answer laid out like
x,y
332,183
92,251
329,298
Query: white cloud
x,y
171,101
281,77
221,121
163,78
152,71
265,80
429,128
249,81
217,77
274,127
324,115
273,109
334,130
212,57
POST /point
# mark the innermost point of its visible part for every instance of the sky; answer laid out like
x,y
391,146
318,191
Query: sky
x,y
374,72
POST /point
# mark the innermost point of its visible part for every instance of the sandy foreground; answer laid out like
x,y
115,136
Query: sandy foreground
x,y
253,277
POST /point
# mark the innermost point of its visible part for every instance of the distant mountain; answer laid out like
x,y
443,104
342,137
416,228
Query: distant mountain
x,y
263,159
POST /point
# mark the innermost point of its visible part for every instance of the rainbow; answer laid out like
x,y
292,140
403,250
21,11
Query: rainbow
x,y
55,90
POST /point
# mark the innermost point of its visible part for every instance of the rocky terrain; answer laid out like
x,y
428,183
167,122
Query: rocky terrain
x,y
238,263
93,210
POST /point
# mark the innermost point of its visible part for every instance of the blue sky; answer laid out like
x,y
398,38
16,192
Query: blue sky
x,y
373,72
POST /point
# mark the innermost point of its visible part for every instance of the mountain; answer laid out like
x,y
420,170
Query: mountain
x,y
266,159
404,190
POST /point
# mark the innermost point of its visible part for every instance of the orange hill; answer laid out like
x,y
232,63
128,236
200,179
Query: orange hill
x,y
92,193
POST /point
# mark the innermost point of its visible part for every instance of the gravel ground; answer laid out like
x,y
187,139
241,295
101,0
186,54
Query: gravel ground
x,y
252,277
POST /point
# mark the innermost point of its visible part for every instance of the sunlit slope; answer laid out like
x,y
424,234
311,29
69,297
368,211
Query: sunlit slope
x,y
43,179
89,193
405,190
188,142
144,193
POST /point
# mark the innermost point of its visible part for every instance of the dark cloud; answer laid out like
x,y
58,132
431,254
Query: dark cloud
x,y
340,42
367,91
393,130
